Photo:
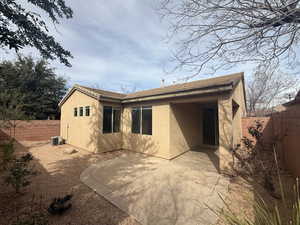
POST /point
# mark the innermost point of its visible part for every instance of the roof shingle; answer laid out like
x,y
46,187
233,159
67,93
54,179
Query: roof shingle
x,y
204,84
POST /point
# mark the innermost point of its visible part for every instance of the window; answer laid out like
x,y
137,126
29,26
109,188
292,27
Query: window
x,y
75,112
80,111
107,119
147,120
116,119
141,120
87,111
136,120
235,108
111,119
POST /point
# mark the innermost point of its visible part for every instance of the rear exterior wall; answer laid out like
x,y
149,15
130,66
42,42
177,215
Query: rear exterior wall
x,y
157,144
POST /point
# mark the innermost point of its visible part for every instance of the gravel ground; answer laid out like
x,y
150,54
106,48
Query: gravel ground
x,y
59,175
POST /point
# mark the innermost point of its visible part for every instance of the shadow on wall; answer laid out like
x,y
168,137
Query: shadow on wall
x,y
286,130
273,133
123,139
281,129
225,135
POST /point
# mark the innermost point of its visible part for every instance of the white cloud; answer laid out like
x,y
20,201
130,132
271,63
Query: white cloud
x,y
114,43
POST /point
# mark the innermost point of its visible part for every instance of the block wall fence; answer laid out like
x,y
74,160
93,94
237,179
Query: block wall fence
x,y
33,130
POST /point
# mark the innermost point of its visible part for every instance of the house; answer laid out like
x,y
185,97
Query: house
x,y
163,122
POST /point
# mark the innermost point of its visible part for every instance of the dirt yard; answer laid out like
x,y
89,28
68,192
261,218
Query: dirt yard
x,y
59,175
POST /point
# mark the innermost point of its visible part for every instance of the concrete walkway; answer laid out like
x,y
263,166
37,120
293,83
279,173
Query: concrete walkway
x,y
161,192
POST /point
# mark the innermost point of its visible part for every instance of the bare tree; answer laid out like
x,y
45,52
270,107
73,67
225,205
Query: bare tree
x,y
269,87
126,89
214,34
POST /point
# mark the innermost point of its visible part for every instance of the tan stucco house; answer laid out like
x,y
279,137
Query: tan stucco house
x,y
163,122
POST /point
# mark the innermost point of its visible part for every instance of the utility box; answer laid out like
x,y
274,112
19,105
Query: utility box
x,y
55,140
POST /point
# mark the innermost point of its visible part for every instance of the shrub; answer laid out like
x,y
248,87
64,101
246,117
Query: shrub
x,y
285,211
7,153
266,215
19,172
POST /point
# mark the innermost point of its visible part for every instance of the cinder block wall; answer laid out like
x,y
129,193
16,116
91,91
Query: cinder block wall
x,y
34,130
282,129
268,134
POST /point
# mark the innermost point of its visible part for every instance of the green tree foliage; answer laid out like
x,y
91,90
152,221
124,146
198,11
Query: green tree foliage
x,y
30,89
21,25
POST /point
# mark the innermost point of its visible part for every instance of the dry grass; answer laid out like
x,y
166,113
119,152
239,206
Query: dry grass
x,y
243,193
59,175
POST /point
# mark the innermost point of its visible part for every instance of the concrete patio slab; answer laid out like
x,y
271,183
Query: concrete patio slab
x,y
161,192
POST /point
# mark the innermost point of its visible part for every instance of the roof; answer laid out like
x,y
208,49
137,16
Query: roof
x,y
104,93
199,84
295,101
211,85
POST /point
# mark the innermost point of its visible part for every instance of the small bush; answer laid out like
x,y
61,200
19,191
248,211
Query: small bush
x,y
19,172
265,214
7,153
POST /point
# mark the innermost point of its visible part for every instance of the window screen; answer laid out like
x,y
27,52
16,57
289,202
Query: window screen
x,y
116,119
147,120
136,120
107,119
75,112
87,111
80,111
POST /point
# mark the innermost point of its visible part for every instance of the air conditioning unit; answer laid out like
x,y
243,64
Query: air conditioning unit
x,y
55,140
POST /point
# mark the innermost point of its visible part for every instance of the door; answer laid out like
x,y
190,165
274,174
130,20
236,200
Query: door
x,y
210,126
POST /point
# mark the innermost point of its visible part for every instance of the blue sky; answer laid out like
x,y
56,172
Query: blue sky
x,y
117,43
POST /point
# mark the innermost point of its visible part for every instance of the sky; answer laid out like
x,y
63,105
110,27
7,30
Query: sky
x,y
117,45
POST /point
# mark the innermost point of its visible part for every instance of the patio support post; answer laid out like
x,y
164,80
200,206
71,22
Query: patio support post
x,y
225,134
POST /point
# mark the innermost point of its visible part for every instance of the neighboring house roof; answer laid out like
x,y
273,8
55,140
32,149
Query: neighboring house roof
x,y
295,101
211,85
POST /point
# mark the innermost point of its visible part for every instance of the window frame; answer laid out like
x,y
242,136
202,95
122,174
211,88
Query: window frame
x,y
113,109
113,119
139,119
140,108
146,108
75,112
81,111
89,110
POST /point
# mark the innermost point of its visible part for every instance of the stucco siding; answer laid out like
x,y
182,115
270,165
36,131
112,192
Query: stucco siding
x,y
225,132
230,124
108,141
185,128
238,97
80,131
156,144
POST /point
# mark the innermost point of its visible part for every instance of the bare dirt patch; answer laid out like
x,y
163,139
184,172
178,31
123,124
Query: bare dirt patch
x,y
59,175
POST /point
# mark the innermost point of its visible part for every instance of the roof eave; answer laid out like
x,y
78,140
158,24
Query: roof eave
x,y
177,94
82,90
110,99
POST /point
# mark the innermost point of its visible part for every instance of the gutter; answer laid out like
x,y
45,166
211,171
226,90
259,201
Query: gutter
x,y
195,91
172,94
